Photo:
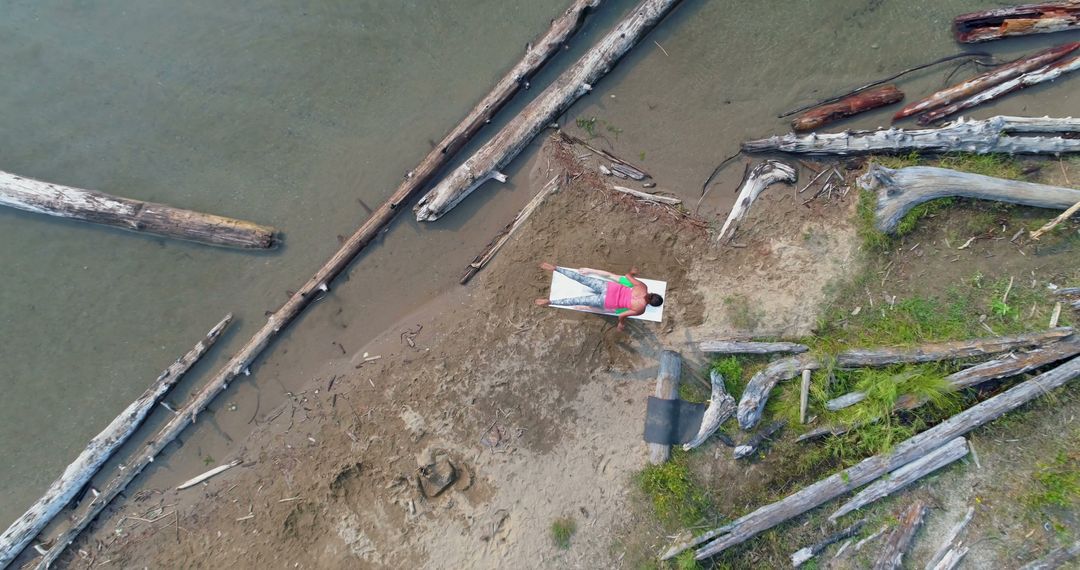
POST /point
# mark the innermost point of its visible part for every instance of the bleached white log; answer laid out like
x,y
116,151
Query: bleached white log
x,y
803,555
756,394
948,544
761,177
748,347
647,196
200,478
721,407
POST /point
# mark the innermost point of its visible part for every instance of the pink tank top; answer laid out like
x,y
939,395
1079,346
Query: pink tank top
x,y
617,297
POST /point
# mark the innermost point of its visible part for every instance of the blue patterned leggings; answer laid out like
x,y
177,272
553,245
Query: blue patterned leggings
x,y
596,300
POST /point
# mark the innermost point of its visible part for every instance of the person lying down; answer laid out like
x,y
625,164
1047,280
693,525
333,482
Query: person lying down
x,y
607,293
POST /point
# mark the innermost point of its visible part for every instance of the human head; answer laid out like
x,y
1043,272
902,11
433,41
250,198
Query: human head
x,y
654,299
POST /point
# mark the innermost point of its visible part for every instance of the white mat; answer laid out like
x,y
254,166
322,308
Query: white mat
x,y
563,287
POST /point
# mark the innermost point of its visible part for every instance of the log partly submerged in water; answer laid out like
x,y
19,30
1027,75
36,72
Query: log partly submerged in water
x,y
987,80
96,207
761,177
99,450
900,190
1041,75
868,470
1017,21
1001,134
851,105
574,83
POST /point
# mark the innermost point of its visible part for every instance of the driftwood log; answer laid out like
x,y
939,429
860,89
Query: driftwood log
x,y
99,450
756,394
721,407
1042,75
899,191
868,470
761,177
987,80
1054,222
953,350
848,106
648,197
751,445
904,476
993,135
950,544
748,347
537,115
147,217
667,388
1017,21
1056,558
539,53
803,555
902,537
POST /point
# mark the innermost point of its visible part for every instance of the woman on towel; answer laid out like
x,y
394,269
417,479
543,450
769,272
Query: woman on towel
x,y
608,294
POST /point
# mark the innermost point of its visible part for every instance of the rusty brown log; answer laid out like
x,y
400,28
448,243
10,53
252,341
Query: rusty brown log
x,y
1023,20
851,105
986,80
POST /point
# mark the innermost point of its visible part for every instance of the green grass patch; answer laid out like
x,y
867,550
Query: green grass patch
x,y
562,530
676,498
996,165
1057,482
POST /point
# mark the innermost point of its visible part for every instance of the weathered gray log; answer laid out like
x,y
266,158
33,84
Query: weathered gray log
x,y
993,135
755,441
904,476
99,450
96,207
984,81
721,407
845,401
667,388
668,200
748,347
951,558
953,350
803,555
756,394
1056,558
901,190
761,177
1017,21
866,471
537,115
948,545
804,395
902,537
1044,74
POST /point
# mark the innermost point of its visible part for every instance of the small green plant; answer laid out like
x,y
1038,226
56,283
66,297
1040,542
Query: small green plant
x,y
1057,482
732,371
208,460
614,130
685,561
641,155
562,529
677,500
588,125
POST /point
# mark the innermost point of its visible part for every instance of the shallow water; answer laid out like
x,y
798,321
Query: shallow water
x,y
290,114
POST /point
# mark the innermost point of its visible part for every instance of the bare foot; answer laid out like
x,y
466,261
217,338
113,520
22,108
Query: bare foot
x,y
547,267
542,302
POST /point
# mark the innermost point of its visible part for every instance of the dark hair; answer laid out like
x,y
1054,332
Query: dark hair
x,y
654,299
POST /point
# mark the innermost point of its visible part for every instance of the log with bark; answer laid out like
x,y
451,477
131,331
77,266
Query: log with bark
x,y
904,476
761,177
756,394
953,350
987,80
1056,558
848,106
902,537
868,470
134,215
538,53
748,347
721,407
999,134
667,388
1044,74
898,191
537,115
803,555
99,450
1017,21
949,545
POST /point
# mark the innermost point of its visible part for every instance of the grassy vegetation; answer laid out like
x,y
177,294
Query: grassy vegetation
x,y
562,529
677,500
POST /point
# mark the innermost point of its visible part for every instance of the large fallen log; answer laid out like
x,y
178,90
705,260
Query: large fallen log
x,y
537,115
898,191
987,80
1056,558
1017,21
721,407
539,52
748,347
1041,75
99,450
761,177
851,105
904,476
952,350
667,388
901,537
868,470
756,394
96,207
993,135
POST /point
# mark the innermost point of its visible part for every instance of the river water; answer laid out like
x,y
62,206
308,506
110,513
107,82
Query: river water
x,y
294,114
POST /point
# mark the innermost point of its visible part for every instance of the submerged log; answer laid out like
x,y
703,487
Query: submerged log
x,y
760,178
721,407
1056,558
901,190
993,135
537,115
1041,75
99,450
866,471
948,350
851,105
803,555
987,80
756,394
902,537
134,215
1017,21
667,388
748,347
